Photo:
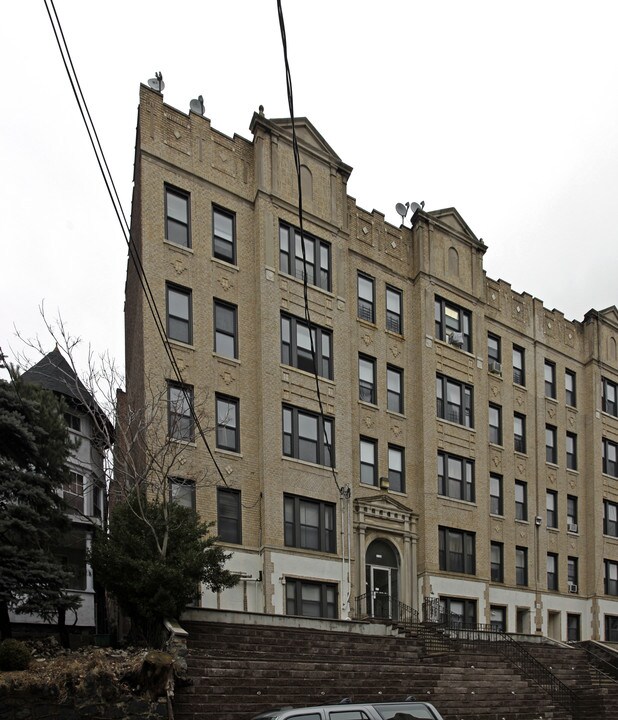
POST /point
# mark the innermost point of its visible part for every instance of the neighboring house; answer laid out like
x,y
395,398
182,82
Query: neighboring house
x,y
85,492
473,432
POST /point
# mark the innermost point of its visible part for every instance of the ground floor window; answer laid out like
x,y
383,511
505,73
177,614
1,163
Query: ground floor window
x,y
611,628
497,617
311,599
458,611
72,555
573,627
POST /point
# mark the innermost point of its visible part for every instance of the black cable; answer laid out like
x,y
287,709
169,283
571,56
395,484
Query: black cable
x,y
290,94
113,194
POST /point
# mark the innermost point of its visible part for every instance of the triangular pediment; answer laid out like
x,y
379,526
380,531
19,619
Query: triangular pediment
x,y
306,134
383,501
451,219
610,314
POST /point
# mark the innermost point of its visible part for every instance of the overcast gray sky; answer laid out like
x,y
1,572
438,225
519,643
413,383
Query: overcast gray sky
x,y
507,111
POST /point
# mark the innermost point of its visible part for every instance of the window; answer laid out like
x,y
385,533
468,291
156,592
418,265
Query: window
x,y
180,417
368,464
228,434
497,618
453,324
611,577
317,257
458,611
367,379
454,401
497,562
177,228
396,469
550,379
366,298
609,401
182,492
572,525
495,424
610,518
229,518
308,436
519,432
494,350
610,464
573,628
521,566
224,235
551,451
571,451
310,599
569,388
225,329
519,368
296,346
456,551
552,571
521,500
309,524
394,389
394,321
611,628
74,422
455,477
551,503
179,324
73,491
572,571
495,495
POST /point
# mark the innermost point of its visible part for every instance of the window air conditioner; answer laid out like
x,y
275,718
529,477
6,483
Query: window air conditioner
x,y
384,483
495,367
572,527
456,339
572,588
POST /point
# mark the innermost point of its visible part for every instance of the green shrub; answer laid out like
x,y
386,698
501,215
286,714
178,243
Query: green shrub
x,y
14,655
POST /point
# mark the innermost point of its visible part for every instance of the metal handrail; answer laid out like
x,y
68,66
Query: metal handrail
x,y
604,667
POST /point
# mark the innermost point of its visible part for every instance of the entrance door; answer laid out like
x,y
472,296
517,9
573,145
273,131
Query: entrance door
x,y
380,590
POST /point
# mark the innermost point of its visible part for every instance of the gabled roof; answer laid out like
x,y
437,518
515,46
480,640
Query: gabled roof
x,y
453,221
54,373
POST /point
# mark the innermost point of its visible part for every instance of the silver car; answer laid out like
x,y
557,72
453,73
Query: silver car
x,y
356,711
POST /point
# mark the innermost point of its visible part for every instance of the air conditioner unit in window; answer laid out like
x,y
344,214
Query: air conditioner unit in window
x,y
572,527
572,588
384,483
495,367
456,339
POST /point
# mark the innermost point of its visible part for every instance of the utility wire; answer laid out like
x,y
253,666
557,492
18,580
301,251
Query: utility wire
x,y
290,94
126,230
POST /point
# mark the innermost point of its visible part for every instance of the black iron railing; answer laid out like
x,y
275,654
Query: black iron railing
x,y
380,606
602,670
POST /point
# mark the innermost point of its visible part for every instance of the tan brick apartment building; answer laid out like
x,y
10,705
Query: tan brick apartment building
x,y
473,432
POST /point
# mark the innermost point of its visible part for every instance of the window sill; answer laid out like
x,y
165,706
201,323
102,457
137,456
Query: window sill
x,y
523,522
468,504
454,424
367,323
176,246
180,344
225,263
523,453
225,359
306,373
317,288
229,453
311,551
552,464
364,403
307,463
394,413
572,471
178,441
496,446
396,335
520,387
497,516
455,347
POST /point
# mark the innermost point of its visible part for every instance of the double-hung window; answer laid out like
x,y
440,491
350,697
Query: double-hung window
x,y
571,451
394,321
495,495
182,492
179,324
519,367
494,353
394,389
180,416
229,517
396,469
570,388
550,379
367,391
519,432
224,235
611,577
521,500
454,401
610,457
610,518
495,424
308,436
521,565
457,551
309,524
552,508
610,397
572,571
368,461
497,562
228,432
296,346
366,309
310,599
455,477
552,571
551,449
572,524
226,329
453,324
177,228
316,265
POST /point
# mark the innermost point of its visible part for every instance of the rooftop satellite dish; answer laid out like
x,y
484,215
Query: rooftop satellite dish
x,y
402,210
156,83
414,207
197,106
